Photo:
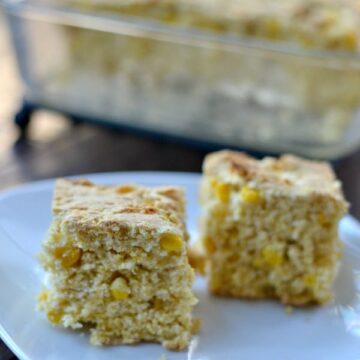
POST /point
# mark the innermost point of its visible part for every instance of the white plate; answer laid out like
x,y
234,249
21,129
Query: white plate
x,y
232,329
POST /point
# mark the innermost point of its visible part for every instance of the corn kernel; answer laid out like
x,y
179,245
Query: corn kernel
x,y
250,195
54,316
120,289
43,296
171,242
222,192
272,257
68,255
309,280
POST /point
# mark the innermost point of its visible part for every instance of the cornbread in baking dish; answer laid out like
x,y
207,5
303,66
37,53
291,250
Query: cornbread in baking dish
x,y
117,261
180,65
269,227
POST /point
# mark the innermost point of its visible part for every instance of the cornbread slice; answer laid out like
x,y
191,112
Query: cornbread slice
x,y
117,261
269,227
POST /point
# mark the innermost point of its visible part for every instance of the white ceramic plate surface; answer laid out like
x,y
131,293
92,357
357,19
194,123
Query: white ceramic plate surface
x,y
232,329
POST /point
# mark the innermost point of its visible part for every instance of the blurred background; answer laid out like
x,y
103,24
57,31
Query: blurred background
x,y
95,88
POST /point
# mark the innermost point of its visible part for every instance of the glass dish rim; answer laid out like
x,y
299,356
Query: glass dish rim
x,y
139,26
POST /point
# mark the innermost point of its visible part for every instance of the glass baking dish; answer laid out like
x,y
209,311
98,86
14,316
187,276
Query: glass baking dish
x,y
193,84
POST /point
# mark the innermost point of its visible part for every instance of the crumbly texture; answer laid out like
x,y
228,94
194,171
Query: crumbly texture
x,y
269,227
197,258
327,24
117,264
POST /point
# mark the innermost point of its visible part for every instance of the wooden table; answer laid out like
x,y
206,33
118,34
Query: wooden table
x,y
54,147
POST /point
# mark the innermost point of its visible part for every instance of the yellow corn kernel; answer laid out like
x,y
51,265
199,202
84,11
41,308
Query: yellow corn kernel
x,y
250,195
222,192
68,255
54,317
309,280
171,242
43,296
272,257
120,289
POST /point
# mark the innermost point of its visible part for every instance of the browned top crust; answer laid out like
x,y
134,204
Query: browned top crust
x,y
89,205
287,173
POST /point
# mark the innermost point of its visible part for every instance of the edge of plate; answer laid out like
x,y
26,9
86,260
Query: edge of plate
x,y
186,177
11,344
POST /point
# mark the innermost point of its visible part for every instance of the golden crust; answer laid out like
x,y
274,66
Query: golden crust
x,y
111,207
287,174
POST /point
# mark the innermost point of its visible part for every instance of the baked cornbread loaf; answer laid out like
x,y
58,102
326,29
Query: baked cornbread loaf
x,y
328,24
117,261
269,227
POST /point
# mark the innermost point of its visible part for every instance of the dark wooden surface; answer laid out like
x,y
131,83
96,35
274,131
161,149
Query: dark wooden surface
x,y
54,147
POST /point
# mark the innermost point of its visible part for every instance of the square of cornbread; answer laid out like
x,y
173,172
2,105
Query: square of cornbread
x,y
117,264
269,227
